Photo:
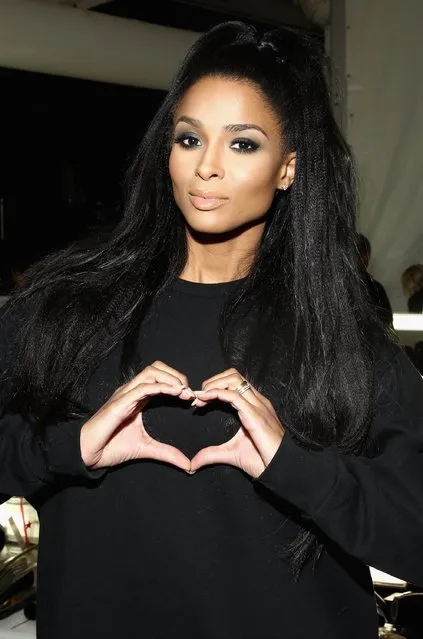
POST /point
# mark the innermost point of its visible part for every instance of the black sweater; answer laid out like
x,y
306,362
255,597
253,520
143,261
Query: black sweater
x,y
145,550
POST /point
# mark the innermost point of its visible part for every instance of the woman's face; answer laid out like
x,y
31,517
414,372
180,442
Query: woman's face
x,y
226,161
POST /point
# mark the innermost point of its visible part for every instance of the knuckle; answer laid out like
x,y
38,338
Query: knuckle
x,y
148,369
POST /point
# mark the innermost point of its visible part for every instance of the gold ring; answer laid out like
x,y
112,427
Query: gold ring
x,y
243,387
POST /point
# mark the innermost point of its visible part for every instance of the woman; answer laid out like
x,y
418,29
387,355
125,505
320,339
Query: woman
x,y
217,434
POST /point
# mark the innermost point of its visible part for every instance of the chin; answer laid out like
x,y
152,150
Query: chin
x,y
210,229
206,222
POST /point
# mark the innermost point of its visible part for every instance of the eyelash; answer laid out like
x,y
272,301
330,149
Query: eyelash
x,y
253,146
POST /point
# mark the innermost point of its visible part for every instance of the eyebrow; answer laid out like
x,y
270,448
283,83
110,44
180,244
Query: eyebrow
x,y
231,128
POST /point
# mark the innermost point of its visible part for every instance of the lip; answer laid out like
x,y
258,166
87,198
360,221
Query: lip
x,y
206,200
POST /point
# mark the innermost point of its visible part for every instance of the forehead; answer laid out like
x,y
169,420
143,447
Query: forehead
x,y
214,100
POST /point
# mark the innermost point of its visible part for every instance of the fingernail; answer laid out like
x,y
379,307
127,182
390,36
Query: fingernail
x,y
194,403
185,392
191,472
188,390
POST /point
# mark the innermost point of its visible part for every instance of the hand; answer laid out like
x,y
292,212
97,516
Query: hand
x,y
255,444
116,433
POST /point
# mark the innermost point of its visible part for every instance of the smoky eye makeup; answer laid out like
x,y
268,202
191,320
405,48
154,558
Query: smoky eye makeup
x,y
240,144
244,145
186,139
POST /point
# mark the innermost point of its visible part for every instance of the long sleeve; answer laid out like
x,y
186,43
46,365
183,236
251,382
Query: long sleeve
x,y
372,507
30,460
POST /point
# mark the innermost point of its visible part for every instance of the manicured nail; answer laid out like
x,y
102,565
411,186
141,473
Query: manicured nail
x,y
191,472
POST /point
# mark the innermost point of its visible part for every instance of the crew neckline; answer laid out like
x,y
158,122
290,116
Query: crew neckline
x,y
201,289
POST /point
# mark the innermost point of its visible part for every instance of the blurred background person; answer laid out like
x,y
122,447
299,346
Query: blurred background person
x,y
412,285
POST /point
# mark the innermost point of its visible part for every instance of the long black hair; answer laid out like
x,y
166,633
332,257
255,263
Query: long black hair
x,y
309,346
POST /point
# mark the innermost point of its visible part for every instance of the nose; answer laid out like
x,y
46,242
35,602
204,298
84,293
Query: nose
x,y
210,165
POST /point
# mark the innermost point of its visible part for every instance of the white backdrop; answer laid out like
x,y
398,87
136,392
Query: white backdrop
x,y
384,59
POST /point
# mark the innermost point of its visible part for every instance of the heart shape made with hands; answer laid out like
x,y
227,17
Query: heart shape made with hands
x,y
151,417
171,420
226,427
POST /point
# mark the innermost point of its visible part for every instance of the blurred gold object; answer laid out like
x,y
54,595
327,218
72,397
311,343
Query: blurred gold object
x,y
388,632
17,579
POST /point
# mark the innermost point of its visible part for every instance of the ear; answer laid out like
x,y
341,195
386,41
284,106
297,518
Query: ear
x,y
287,172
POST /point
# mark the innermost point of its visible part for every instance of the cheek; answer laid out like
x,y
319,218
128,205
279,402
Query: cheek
x,y
180,168
174,167
255,184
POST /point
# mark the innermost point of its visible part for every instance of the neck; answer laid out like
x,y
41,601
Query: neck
x,y
220,258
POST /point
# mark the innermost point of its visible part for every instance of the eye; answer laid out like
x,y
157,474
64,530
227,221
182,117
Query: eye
x,y
187,140
244,145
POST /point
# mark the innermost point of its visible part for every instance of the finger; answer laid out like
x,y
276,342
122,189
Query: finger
x,y
226,373
171,371
230,378
212,455
231,382
166,453
227,379
157,372
117,410
247,411
124,405
223,381
150,375
263,427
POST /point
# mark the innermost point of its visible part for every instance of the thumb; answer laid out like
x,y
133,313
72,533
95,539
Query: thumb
x,y
165,453
211,455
